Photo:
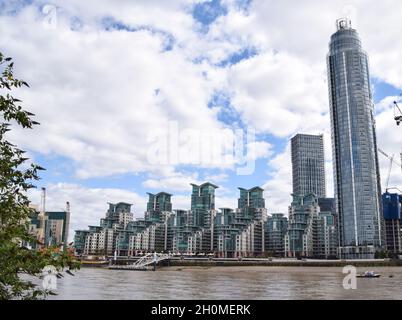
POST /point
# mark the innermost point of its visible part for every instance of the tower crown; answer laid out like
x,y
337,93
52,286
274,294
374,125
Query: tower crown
x,y
343,24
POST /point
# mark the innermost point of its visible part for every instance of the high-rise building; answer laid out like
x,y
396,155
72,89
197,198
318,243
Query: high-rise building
x,y
227,233
157,206
182,231
308,165
325,236
119,213
392,206
356,171
252,212
203,203
275,231
203,196
55,228
299,237
202,214
311,232
327,205
251,201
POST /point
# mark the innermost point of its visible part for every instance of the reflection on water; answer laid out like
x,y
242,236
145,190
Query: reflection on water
x,y
227,283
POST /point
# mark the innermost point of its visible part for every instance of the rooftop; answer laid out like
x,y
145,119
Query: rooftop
x,y
343,24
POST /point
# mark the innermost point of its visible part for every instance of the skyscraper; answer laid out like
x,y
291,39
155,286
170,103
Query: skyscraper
x,y
308,165
356,172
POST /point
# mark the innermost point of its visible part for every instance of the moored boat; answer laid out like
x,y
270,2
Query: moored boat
x,y
369,274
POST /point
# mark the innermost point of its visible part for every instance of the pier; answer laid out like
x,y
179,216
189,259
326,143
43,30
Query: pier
x,y
143,263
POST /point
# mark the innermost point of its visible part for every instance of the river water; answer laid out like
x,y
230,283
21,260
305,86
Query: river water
x,y
227,283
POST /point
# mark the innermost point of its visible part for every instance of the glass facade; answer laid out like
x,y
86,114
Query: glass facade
x,y
308,165
392,209
327,205
299,237
202,202
250,200
392,204
356,173
275,231
157,205
311,232
79,240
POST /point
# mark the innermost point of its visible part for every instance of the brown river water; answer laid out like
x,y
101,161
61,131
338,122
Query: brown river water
x,y
217,283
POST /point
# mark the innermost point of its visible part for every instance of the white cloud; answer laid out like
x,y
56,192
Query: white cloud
x,y
278,188
389,140
175,181
284,91
258,149
225,202
100,94
88,205
274,92
215,178
303,29
279,185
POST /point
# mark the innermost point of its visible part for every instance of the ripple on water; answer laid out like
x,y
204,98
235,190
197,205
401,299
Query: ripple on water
x,y
227,283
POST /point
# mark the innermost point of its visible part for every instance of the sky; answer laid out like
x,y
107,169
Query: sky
x,y
149,96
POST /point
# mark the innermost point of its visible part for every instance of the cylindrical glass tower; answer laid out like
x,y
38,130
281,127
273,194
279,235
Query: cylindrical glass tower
x,y
356,172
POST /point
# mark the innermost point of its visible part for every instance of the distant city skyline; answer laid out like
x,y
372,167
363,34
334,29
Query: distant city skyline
x,y
104,78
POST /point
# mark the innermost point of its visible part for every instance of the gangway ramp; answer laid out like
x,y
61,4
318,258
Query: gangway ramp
x,y
143,262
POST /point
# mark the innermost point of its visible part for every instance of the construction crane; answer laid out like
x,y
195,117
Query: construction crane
x,y
392,161
397,113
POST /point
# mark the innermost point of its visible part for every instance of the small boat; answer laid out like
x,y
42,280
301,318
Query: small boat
x,y
369,274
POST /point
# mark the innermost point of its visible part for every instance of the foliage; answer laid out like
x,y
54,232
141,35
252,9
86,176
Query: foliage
x,y
17,263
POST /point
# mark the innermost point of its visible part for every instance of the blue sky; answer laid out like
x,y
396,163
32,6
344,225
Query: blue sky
x,y
104,79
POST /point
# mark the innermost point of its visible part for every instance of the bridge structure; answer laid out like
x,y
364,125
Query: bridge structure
x,y
151,259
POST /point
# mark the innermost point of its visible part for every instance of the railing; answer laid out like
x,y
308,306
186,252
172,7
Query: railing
x,y
143,262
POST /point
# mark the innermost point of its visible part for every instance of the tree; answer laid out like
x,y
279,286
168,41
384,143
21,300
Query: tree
x,y
17,175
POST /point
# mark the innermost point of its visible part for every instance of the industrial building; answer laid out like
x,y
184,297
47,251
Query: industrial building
x,y
50,228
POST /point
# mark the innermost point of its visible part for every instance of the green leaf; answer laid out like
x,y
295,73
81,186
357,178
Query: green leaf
x,y
16,177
